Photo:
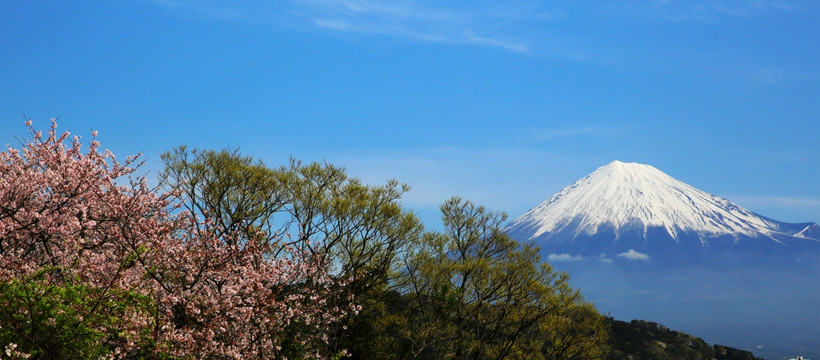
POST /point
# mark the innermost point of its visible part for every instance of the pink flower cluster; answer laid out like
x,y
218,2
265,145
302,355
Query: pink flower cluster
x,y
78,214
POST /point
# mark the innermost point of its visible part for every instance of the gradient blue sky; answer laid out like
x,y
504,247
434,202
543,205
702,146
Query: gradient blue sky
x,y
502,102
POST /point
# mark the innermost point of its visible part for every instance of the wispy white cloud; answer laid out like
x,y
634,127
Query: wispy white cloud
x,y
496,25
510,25
605,259
564,257
634,255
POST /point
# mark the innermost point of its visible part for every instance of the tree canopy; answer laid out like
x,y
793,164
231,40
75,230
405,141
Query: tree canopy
x,y
231,258
474,293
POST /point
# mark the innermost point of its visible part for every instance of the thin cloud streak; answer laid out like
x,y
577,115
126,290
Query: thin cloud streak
x,y
424,21
508,25
479,25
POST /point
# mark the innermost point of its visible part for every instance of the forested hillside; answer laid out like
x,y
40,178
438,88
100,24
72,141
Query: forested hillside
x,y
645,340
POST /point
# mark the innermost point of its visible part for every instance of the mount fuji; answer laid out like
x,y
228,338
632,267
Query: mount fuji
x,y
633,211
641,245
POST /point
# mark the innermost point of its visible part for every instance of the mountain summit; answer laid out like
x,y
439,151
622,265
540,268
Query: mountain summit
x,y
631,208
641,244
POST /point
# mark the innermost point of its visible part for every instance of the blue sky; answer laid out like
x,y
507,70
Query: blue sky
x,y
501,102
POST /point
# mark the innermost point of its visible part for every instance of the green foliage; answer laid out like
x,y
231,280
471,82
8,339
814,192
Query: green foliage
x,y
728,353
68,320
238,192
575,331
640,339
475,293
360,228
469,292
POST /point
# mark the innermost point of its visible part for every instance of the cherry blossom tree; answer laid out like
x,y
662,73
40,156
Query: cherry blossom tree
x,y
95,263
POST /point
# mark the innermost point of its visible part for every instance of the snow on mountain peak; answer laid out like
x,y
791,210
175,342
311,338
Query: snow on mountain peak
x,y
620,194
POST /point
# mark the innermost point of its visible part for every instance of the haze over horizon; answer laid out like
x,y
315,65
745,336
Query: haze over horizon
x,y
503,103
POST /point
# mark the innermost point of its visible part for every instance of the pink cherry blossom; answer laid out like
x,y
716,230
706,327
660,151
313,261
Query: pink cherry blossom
x,y
84,215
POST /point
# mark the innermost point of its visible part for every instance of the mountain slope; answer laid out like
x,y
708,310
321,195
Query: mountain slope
x,y
629,206
640,339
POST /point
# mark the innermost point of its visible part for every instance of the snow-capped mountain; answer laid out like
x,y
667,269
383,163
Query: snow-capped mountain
x,y
638,211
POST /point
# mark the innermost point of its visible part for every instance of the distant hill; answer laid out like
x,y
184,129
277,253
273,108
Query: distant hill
x,y
644,340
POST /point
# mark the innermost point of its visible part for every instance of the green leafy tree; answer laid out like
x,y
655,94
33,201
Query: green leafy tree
x,y
468,292
238,193
67,319
475,293
575,331
361,229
